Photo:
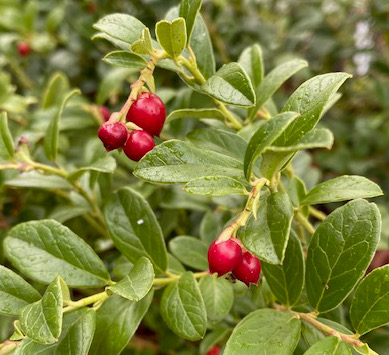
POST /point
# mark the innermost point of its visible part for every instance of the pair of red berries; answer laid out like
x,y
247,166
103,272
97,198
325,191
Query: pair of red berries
x,y
228,255
147,112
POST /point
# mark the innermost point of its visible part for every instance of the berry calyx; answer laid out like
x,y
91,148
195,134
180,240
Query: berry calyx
x,y
104,112
138,144
113,135
214,351
248,269
24,49
148,112
223,257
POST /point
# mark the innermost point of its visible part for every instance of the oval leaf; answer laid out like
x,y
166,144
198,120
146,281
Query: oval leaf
x,y
329,346
251,60
172,36
190,251
189,10
6,142
125,59
196,113
215,186
102,165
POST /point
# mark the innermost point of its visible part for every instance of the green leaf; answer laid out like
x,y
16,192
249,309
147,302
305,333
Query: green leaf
x,y
144,45
370,305
122,27
15,293
218,296
176,161
117,320
52,133
216,336
76,337
329,346
125,59
172,36
134,228
267,235
231,84
55,91
106,164
190,251
342,188
264,137
138,283
196,113
189,10
339,253
251,60
6,141
183,308
265,331
33,179
42,320
64,213
44,249
286,281
215,186
296,190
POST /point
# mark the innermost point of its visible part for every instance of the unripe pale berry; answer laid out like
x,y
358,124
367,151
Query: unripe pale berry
x,y
138,144
148,112
248,269
113,135
214,351
224,256
24,49
104,112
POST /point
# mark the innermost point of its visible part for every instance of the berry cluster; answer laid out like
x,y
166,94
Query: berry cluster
x,y
147,112
229,255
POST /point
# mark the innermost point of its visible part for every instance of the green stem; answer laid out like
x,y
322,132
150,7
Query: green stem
x,y
321,216
304,222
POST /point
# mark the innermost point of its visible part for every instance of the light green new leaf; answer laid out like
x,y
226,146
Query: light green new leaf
x,y
117,321
144,45
6,141
218,296
267,235
286,281
189,10
264,137
138,283
265,331
196,113
342,188
190,251
134,228
106,164
55,91
340,252
42,320
44,249
215,186
251,60
125,59
15,293
183,308
370,305
231,84
52,132
172,36
329,346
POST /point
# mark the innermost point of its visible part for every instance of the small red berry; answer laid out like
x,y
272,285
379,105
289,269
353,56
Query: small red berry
x,y
224,256
148,112
214,351
138,144
104,112
24,49
113,135
248,269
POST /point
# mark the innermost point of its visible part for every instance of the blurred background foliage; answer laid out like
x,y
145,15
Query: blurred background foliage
x,y
332,35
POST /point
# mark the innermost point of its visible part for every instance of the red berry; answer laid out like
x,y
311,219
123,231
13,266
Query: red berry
x,y
113,135
248,270
148,112
138,144
104,112
214,351
24,49
224,256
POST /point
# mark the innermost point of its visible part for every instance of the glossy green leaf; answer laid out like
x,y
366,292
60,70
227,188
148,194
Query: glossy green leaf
x,y
196,113
15,293
183,308
342,188
134,228
215,186
370,305
176,161
286,281
189,10
296,190
264,137
55,91
117,321
263,332
231,84
6,141
172,36
251,60
44,249
267,235
35,180
138,283
42,321
125,59
339,253
329,346
218,296
190,251
144,45
106,164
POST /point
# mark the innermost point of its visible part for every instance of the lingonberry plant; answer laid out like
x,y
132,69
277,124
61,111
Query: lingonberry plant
x,y
240,162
